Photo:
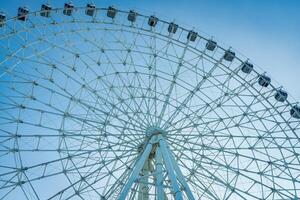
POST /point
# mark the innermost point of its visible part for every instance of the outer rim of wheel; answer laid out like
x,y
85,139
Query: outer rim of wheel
x,y
186,30
82,9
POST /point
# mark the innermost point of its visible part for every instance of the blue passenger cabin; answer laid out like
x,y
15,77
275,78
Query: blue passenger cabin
x,y
295,112
229,55
132,16
111,12
172,28
45,10
22,13
68,9
264,80
2,19
192,36
211,45
90,9
247,67
152,21
281,95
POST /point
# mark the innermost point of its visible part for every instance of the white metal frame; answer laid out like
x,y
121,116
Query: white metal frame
x,y
78,94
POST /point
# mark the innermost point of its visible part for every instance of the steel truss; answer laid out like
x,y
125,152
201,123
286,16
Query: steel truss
x,y
99,103
163,157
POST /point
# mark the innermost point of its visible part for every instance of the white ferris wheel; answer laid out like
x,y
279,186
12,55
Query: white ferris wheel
x,y
101,103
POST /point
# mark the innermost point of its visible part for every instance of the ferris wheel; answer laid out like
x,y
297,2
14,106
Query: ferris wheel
x,y
100,103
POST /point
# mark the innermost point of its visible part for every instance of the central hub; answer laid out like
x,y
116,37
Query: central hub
x,y
153,135
154,131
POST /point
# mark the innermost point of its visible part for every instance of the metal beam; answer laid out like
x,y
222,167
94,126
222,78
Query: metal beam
x,y
181,177
159,175
136,170
170,170
143,193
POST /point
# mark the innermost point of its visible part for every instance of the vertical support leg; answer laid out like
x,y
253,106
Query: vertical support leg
x,y
159,175
143,186
136,170
170,170
181,177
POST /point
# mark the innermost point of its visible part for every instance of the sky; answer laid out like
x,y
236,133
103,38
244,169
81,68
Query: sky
x,y
265,31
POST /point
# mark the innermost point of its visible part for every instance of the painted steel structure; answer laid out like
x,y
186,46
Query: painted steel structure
x,y
100,103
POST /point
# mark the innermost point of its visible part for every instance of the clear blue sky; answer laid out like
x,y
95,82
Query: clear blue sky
x,y
267,32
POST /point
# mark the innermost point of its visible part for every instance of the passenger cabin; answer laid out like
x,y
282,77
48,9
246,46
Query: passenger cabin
x,y
68,9
264,80
23,13
172,28
2,19
132,16
111,12
90,9
192,36
152,21
45,10
281,95
229,55
247,67
211,45
295,112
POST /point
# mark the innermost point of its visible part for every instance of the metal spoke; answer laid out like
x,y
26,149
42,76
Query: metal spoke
x,y
101,103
